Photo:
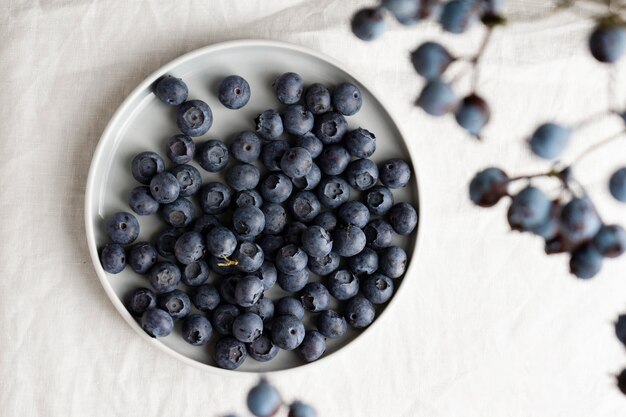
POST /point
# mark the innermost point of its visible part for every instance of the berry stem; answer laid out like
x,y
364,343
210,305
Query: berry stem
x,y
551,173
229,262
597,146
478,56
589,120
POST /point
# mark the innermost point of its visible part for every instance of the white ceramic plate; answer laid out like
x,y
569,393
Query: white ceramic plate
x,y
143,123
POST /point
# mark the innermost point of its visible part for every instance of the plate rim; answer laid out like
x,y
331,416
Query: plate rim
x,y
117,118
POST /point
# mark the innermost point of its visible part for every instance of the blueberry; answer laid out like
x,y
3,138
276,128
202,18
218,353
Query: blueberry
x,y
165,241
330,127
176,303
122,228
197,330
359,312
378,200
272,153
437,98
311,143
242,176
297,120
608,43
310,180
316,241
621,381
586,261
363,263
276,188
287,332
431,60
164,276
549,140
403,218
156,322
141,201
206,297
189,179
579,220
171,90
473,114
379,234
190,247
459,15
223,318
195,273
324,265
246,147
180,149
331,324
248,290
194,118
248,221
617,185
221,242
291,259
347,99
315,297
296,162
610,241
395,173
263,399
550,227
247,198
392,262
289,305
304,206
333,160
313,346
113,258
264,308
293,233
234,92
146,165
270,245
333,191
377,288
213,155
275,218
269,125
141,257
227,288
326,220
405,11
140,300
249,257
529,208
368,24
299,409
230,353
293,282
317,98
262,349
620,329
289,87
247,327
488,187
214,198
348,240
343,285
361,174
164,187
179,213
360,143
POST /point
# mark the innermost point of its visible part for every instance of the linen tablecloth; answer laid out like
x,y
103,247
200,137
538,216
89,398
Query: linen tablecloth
x,y
487,326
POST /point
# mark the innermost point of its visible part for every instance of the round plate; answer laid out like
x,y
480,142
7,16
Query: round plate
x,y
143,123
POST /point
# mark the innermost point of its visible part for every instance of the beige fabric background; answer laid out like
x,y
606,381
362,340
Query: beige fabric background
x,y
493,327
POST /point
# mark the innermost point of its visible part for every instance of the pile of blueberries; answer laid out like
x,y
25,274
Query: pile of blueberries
x,y
273,222
431,59
264,400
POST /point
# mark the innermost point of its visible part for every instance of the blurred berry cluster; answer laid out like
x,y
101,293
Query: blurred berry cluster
x,y
264,400
431,59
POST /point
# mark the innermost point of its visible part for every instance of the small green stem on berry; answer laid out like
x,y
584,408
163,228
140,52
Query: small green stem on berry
x,y
478,56
229,262
597,146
